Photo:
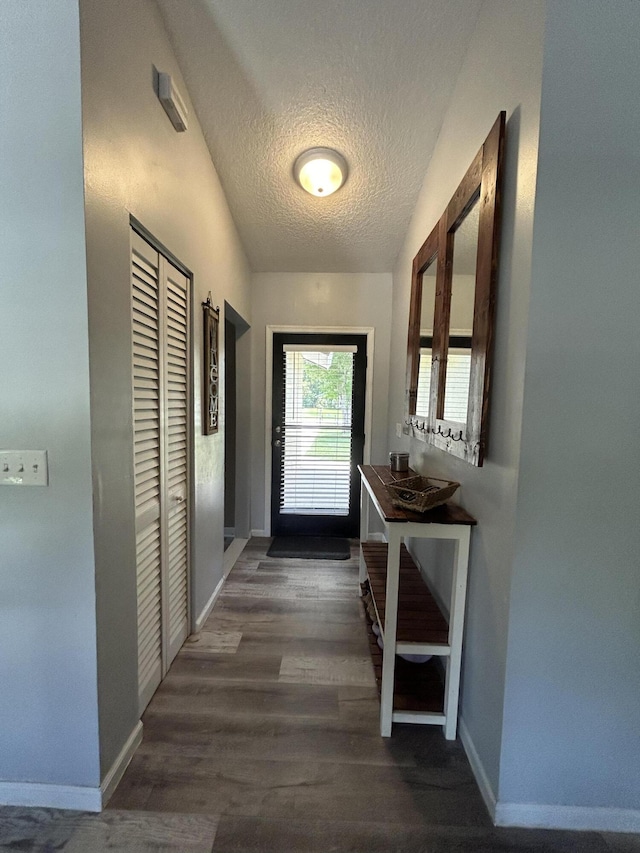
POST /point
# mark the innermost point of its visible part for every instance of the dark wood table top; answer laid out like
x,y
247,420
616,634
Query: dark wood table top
x,y
378,476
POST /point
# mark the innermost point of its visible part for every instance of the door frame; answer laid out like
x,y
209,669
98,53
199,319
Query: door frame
x,y
242,487
367,331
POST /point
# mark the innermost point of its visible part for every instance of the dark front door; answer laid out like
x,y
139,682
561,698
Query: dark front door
x,y
317,433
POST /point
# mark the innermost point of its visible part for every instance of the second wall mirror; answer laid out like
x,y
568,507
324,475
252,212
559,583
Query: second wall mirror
x,y
451,315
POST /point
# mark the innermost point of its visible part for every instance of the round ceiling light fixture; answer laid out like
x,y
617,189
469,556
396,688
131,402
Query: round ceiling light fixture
x,y
320,171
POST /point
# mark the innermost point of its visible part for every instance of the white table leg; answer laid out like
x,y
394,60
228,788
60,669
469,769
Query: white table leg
x,y
364,532
456,626
390,626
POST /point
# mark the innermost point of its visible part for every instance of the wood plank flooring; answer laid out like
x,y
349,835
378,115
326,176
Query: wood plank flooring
x,y
264,738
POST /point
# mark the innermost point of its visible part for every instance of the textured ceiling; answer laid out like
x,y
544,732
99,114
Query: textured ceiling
x,y
271,78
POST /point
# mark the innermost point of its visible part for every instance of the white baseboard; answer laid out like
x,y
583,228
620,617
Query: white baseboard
x,y
478,769
75,797
116,771
260,533
231,555
586,818
544,816
202,618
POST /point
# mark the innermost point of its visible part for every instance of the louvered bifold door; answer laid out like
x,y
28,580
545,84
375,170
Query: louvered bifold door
x,y
160,324
176,457
147,368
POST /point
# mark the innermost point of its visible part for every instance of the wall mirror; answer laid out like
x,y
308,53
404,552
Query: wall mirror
x,y
451,315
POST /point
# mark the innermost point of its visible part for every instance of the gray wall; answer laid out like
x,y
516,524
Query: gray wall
x,y
242,465
502,70
48,692
317,299
135,163
572,715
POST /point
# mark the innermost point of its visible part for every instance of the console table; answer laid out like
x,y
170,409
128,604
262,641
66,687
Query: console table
x,y
409,618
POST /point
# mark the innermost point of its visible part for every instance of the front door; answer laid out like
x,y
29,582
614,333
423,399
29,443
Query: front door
x,y
317,436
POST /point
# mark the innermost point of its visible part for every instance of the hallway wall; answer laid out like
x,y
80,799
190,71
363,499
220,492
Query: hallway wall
x,y
136,163
502,71
317,299
550,679
572,715
48,689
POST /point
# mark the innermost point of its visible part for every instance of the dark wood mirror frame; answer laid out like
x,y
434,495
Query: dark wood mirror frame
x,y
483,182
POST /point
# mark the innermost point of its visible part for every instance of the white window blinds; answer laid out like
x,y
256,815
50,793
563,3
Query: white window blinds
x,y
317,430
456,399
456,394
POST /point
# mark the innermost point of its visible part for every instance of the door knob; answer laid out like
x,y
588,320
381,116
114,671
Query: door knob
x,y
277,443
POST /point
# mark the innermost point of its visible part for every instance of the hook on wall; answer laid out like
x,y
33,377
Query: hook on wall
x,y
208,303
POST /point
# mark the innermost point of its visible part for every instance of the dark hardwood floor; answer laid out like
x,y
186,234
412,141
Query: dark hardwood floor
x,y
264,738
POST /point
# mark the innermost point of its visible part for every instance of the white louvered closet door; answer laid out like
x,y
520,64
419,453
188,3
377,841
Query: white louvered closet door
x,y
146,320
176,458
160,312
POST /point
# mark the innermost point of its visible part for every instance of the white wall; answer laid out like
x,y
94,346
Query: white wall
x,y
572,711
135,163
317,299
48,687
502,71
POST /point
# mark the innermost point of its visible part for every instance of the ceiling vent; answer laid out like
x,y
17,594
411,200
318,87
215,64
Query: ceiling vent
x,y
172,101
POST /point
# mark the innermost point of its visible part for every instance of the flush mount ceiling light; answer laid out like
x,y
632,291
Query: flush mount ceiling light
x,y
320,171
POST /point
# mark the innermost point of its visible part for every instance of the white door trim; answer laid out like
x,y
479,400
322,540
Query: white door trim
x,y
368,400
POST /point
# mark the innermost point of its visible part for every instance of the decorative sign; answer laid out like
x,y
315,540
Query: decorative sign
x,y
211,368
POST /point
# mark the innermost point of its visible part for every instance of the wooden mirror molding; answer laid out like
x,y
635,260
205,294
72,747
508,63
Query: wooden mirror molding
x,y
453,329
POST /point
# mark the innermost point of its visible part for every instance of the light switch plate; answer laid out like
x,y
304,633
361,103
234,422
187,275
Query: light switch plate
x,y
24,468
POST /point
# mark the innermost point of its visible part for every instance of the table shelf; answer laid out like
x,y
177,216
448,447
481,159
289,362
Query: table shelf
x,y
408,615
421,627
418,688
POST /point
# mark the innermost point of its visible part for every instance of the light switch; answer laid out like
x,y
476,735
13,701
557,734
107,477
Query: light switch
x,y
24,468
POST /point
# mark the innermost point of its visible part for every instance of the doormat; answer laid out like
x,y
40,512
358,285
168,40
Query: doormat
x,y
310,548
